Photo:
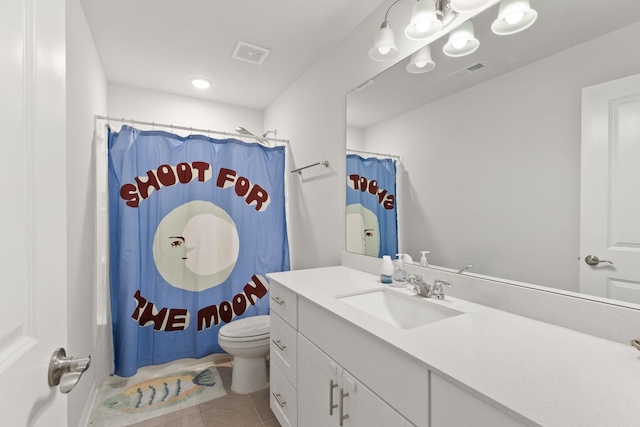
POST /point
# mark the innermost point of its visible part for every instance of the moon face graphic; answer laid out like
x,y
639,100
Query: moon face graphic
x,y
196,246
363,230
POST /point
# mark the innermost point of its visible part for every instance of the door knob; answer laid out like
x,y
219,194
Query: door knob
x,y
593,260
66,371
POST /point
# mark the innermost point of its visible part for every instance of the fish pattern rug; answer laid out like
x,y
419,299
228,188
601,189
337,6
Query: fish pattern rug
x,y
154,392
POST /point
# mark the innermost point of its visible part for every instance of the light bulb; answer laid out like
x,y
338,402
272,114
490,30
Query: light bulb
x,y
421,64
514,18
384,50
423,26
458,43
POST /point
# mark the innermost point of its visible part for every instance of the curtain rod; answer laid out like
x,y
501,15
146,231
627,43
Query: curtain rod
x,y
191,129
377,154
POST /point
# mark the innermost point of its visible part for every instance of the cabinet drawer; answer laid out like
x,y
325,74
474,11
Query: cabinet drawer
x,y
284,348
284,303
283,399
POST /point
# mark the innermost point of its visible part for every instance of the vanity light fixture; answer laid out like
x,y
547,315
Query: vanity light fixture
x,y
424,21
430,16
200,82
469,6
461,41
384,45
421,61
513,17
427,18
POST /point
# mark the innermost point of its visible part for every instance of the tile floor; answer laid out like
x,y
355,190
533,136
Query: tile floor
x,y
232,410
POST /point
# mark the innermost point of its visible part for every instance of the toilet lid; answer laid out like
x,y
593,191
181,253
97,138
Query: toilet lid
x,y
248,327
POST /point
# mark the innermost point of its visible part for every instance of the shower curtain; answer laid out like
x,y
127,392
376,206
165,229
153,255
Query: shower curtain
x,y
372,225
195,223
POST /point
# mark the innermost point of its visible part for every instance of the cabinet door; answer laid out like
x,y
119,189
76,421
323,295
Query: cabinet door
x,y
452,406
318,386
364,408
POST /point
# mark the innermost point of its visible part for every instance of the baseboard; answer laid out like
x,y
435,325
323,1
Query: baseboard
x,y
88,406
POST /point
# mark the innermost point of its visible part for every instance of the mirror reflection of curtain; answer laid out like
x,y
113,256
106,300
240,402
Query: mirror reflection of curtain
x,y
372,220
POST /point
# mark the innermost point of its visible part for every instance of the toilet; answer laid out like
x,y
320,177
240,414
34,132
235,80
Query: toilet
x,y
248,341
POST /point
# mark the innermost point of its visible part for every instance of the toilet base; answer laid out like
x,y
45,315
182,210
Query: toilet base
x,y
249,374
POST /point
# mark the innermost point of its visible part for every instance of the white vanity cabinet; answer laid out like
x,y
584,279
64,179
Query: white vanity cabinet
x,y
328,395
452,406
313,350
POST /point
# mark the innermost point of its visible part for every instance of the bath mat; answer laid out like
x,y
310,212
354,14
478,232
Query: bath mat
x,y
154,391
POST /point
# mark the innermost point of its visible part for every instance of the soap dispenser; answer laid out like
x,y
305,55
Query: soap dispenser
x,y
423,258
386,270
399,274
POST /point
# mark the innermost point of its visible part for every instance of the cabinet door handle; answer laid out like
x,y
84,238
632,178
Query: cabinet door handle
x,y
280,402
332,385
342,414
277,300
280,346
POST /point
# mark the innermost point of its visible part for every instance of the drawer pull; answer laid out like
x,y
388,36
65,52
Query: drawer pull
x,y
280,346
343,416
332,385
277,300
281,403
636,344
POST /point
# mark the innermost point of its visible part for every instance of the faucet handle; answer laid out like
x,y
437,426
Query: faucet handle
x,y
437,291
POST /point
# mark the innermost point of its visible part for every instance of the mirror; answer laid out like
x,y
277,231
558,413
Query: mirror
x,y
491,142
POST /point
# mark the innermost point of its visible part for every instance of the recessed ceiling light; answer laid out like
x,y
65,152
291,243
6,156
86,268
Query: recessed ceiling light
x,y
200,82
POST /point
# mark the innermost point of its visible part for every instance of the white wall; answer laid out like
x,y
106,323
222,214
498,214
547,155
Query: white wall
x,y
86,96
506,151
160,107
355,138
312,115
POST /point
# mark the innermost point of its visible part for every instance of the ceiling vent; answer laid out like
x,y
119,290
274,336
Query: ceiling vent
x,y
250,53
467,70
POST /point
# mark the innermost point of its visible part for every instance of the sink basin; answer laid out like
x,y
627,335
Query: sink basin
x,y
402,311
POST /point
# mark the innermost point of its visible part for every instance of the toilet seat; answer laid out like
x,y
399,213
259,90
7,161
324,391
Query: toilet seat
x,y
255,328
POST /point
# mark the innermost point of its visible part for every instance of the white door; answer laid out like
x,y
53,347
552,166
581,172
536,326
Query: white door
x,y
610,190
33,171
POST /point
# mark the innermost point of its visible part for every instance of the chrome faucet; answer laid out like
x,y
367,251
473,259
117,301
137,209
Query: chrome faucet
x,y
462,270
419,285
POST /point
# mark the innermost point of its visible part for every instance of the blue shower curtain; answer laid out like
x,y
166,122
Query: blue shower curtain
x,y
195,223
372,225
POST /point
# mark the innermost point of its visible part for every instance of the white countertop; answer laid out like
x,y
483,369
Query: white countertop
x,y
540,374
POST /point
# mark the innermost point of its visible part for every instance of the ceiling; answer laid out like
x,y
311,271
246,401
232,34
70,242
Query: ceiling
x,y
560,26
161,44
